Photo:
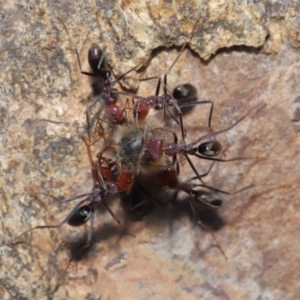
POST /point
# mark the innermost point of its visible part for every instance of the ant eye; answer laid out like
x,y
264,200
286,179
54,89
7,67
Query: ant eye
x,y
209,149
81,216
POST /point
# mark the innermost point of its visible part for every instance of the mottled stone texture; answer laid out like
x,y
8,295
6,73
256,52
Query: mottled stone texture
x,y
250,55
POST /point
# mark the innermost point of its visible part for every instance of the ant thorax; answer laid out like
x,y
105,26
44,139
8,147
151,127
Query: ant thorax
x,y
141,145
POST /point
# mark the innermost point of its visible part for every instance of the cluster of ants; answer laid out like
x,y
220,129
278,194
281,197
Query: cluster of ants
x,y
140,148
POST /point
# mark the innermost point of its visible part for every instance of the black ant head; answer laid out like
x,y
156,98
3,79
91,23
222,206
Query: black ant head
x,y
80,216
209,149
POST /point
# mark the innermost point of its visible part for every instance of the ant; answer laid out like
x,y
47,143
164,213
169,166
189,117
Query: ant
x,y
108,181
206,150
110,96
80,214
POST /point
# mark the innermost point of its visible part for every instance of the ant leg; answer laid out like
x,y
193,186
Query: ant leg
x,y
183,46
88,111
151,78
88,147
168,71
145,201
172,116
195,170
204,174
229,127
74,49
76,197
189,104
101,60
158,87
81,250
192,104
180,116
94,165
96,140
223,160
200,223
98,127
130,70
226,192
111,212
71,213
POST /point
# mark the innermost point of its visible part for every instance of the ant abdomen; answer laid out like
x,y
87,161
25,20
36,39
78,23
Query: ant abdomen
x,y
143,105
168,176
186,96
80,216
209,149
125,180
115,113
185,92
96,59
208,198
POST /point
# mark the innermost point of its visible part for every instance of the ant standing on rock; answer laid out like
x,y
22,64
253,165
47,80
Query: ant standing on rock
x,y
109,96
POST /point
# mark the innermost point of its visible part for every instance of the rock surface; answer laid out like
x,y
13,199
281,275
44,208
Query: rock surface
x,y
249,55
